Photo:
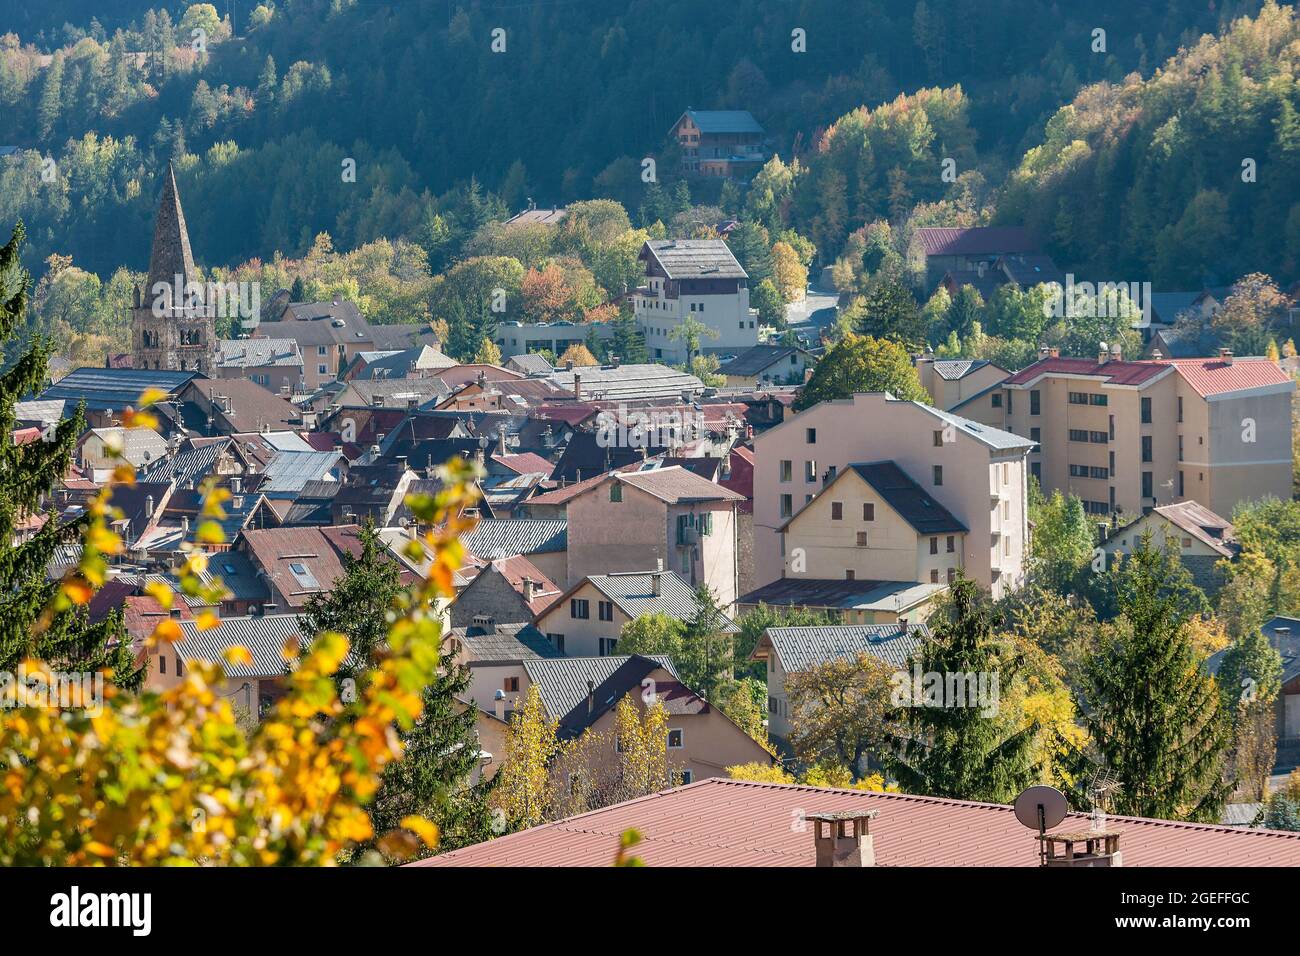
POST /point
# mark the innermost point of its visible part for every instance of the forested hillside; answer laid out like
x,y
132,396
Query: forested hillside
x,y
260,121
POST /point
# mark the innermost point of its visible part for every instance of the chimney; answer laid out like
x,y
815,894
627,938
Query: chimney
x,y
656,578
614,361
591,695
1225,355
487,622
1054,352
499,704
501,441
568,365
1100,848
1103,354
1116,352
185,524
236,484
843,838
148,506
1157,355
529,590
577,386
1043,352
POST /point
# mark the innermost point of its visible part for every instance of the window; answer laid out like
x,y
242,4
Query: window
x,y
837,510
1097,472
787,506
1078,471
934,575
1112,427
934,545
607,645
831,472
868,511
938,439
1078,434
1180,484
810,470
1148,485
616,491
1095,399
676,739
997,399
787,469
1146,411
1180,408
1112,465
302,574
938,475
320,350
1035,403
862,539
579,608
511,685
1097,438
952,575
687,777
1146,448
321,370
1078,398
162,664
1180,447
557,641
605,609
849,575
1036,435
810,436
952,543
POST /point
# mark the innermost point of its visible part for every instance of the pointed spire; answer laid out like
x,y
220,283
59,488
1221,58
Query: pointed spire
x,y
171,254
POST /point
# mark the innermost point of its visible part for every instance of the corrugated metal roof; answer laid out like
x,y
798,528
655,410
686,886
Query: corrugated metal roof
x,y
562,681
494,538
725,121
719,822
186,467
1215,376
800,648
953,370
289,471
263,636
757,358
115,388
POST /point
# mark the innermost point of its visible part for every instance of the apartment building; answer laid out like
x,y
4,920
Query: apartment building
x,y
975,472
720,143
1130,435
698,279
969,387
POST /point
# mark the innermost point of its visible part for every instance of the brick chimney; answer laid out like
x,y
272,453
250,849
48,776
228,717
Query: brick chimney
x,y
843,838
1225,356
577,386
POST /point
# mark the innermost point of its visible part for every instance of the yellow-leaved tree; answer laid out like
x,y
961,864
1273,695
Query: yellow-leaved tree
x,y
171,778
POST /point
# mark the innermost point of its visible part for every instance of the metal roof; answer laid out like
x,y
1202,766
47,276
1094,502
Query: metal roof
x,y
494,538
289,471
800,648
115,388
628,381
843,594
757,358
994,438
725,121
263,636
186,467
720,822
632,593
562,681
975,240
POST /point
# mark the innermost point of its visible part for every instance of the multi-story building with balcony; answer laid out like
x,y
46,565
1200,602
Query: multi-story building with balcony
x,y
720,143
1128,436
693,279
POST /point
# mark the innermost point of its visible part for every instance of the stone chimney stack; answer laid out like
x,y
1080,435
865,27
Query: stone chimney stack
x,y
577,386
656,578
529,590
1225,355
844,838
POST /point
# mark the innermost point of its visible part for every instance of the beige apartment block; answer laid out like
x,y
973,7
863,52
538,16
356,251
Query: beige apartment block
x,y
1128,436
967,387
975,472
630,520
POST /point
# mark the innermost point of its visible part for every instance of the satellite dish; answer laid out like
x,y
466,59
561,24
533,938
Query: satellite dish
x,y
1041,808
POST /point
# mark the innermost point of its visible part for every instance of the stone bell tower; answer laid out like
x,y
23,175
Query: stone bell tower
x,y
171,320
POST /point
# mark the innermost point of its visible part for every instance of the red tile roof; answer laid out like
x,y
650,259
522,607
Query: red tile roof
x,y
1214,376
525,463
977,240
1116,372
720,822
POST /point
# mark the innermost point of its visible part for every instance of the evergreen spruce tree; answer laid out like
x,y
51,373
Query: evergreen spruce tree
x,y
1156,718
628,342
955,747
707,651
65,639
441,750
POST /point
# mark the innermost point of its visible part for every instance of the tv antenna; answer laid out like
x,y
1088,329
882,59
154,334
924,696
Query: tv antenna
x,y
1101,786
1041,808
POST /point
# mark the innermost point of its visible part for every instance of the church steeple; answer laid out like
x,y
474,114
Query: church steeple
x,y
171,254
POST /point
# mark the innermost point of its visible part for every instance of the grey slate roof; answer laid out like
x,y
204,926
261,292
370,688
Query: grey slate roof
x,y
505,537
170,255
800,648
628,382
562,681
263,636
258,353
530,364
631,592
506,642
906,497
695,258
757,358
953,369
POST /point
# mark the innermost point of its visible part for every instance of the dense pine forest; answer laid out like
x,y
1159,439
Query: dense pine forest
x,y
1118,132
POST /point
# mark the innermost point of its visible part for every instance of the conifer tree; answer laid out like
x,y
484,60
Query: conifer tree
x,y
36,621
953,743
441,749
1156,718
